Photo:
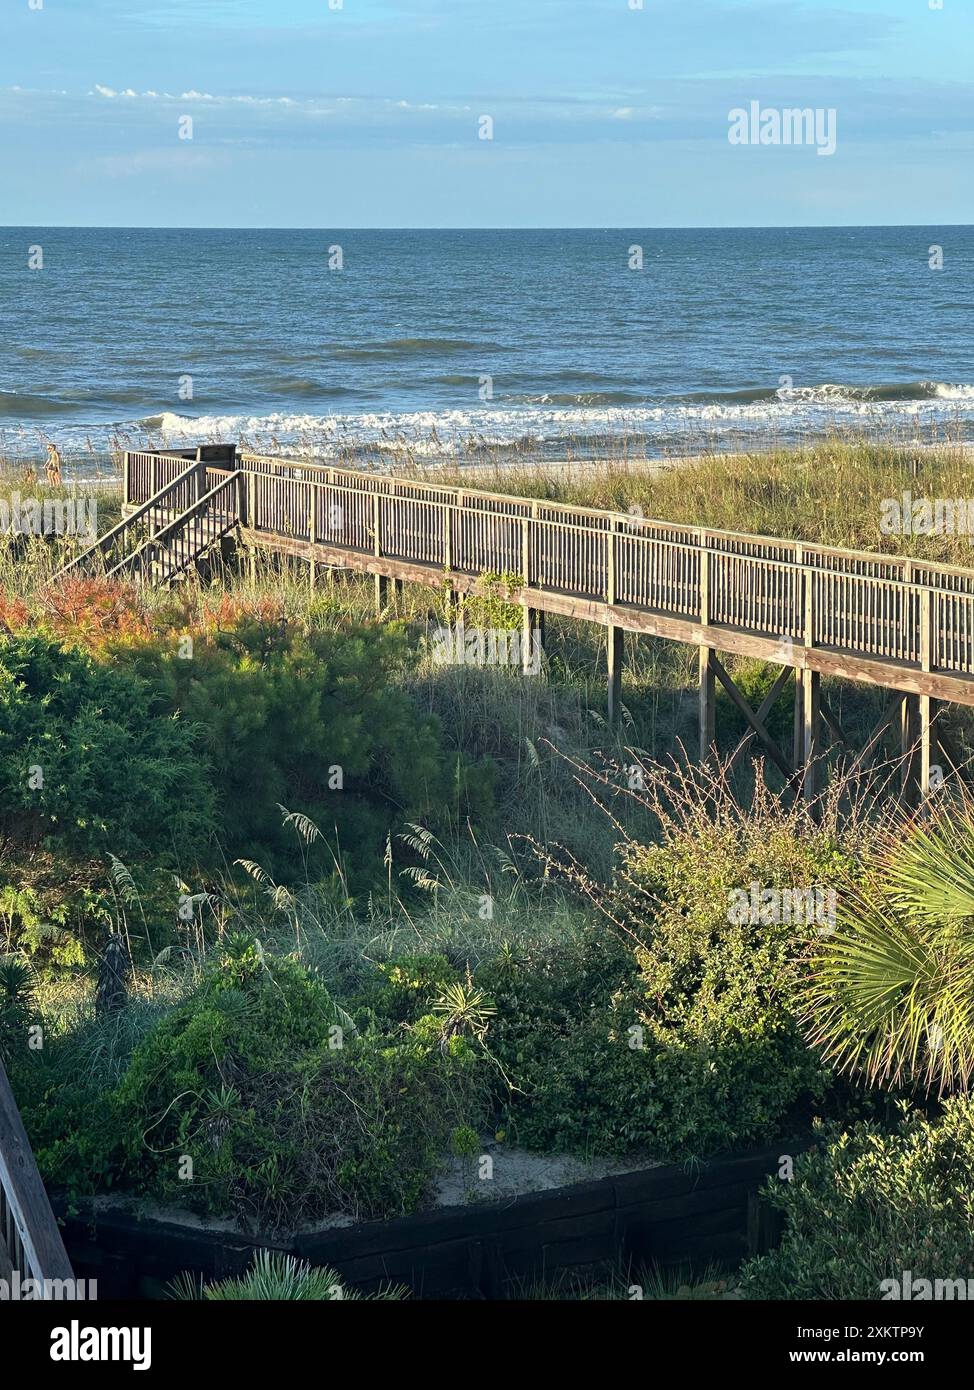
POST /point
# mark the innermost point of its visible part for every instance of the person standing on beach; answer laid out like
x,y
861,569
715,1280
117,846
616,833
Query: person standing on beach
x,y
53,468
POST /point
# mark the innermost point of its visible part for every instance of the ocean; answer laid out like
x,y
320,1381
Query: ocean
x,y
430,344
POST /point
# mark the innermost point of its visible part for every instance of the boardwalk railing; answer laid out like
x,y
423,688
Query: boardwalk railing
x,y
888,609
30,1242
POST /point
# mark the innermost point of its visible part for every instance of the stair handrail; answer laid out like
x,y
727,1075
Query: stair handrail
x,y
201,504
102,542
29,1234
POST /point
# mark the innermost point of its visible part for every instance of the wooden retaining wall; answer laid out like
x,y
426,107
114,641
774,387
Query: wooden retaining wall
x,y
670,1215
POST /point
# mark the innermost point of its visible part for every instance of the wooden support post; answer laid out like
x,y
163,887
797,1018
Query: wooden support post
x,y
798,743
615,637
126,480
312,535
811,712
928,746
798,732
532,641
708,702
909,766
928,738
707,668
381,592
458,621
811,733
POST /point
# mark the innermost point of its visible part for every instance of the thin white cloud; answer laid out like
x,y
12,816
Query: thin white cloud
x,y
111,94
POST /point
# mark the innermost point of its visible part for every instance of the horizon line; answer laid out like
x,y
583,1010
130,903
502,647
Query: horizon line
x,y
614,227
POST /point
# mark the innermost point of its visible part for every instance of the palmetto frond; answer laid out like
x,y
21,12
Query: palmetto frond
x,y
931,873
892,986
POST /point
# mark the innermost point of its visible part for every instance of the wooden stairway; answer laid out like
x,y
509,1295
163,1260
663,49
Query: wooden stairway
x,y
165,535
30,1242
170,550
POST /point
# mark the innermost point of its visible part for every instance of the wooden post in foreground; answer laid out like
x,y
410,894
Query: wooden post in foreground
x,y
30,1240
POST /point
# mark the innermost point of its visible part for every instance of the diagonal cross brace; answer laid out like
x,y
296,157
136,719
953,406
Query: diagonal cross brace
x,y
756,721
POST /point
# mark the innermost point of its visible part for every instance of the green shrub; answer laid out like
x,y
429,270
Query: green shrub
x,y
313,719
284,1111
673,1030
91,762
402,989
866,1206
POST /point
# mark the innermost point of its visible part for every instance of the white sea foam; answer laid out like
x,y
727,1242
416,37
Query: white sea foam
x,y
785,415
435,432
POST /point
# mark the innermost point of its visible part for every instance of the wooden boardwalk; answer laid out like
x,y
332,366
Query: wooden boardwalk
x,y
814,610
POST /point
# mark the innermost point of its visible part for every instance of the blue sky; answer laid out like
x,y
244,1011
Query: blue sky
x,y
366,115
